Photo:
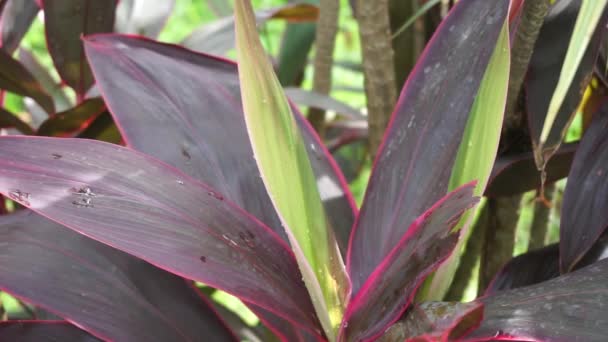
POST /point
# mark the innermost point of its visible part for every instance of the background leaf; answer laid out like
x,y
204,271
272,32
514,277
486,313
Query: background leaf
x,y
15,78
218,37
544,75
72,120
104,291
65,22
587,21
523,168
143,17
15,20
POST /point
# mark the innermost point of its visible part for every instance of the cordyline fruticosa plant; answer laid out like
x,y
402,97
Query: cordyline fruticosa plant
x,y
223,182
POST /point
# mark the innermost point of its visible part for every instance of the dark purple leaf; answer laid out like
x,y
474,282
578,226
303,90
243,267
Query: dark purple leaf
x,y
66,21
15,20
544,72
242,330
527,269
10,120
283,329
62,102
540,265
516,174
15,78
42,331
392,286
436,321
72,120
415,161
143,17
109,293
200,128
585,208
146,208
571,307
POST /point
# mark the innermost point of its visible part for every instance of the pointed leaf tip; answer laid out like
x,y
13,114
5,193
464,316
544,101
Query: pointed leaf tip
x,y
287,174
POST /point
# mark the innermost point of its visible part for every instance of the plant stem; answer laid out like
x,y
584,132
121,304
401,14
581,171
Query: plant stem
x,y
325,41
532,16
501,224
378,66
472,253
540,223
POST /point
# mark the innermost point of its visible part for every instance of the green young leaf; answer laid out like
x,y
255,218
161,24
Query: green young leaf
x,y
285,169
476,153
586,22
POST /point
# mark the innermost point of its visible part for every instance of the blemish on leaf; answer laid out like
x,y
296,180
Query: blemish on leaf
x,y
216,195
203,258
83,202
84,191
186,154
20,196
56,156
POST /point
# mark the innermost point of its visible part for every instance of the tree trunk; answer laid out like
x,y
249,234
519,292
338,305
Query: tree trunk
x,y
325,41
378,66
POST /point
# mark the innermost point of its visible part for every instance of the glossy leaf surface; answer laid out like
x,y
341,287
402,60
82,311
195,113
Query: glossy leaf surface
x,y
391,287
200,129
415,162
585,208
15,78
15,20
146,208
568,308
544,74
73,119
109,293
143,17
477,151
280,153
65,22
42,331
